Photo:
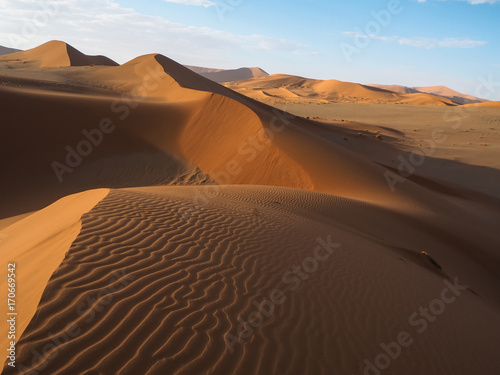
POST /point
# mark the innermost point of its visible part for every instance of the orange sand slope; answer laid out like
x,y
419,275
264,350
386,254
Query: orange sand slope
x,y
450,94
281,87
293,250
170,281
54,54
485,105
37,245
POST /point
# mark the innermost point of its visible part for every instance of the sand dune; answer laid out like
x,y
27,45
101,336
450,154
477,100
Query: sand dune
x,y
396,88
185,205
228,75
446,92
282,88
55,54
238,144
485,105
442,91
38,255
159,278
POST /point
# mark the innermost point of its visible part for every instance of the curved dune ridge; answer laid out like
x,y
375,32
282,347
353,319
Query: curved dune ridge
x,y
164,280
278,87
56,54
37,245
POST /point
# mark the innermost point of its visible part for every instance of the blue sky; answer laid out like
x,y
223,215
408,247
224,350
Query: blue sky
x,y
455,43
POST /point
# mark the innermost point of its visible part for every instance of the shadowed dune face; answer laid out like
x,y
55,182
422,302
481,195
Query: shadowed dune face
x,y
6,50
185,276
231,75
60,123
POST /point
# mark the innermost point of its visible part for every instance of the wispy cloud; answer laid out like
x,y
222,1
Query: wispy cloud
x,y
93,25
427,43
201,3
442,43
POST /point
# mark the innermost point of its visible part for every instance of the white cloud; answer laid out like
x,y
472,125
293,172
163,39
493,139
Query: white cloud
x,y
440,43
104,27
202,3
428,43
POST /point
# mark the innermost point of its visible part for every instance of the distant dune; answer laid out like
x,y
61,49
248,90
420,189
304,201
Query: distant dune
x,y
56,54
442,91
397,88
446,92
286,88
182,227
231,75
485,105
6,50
